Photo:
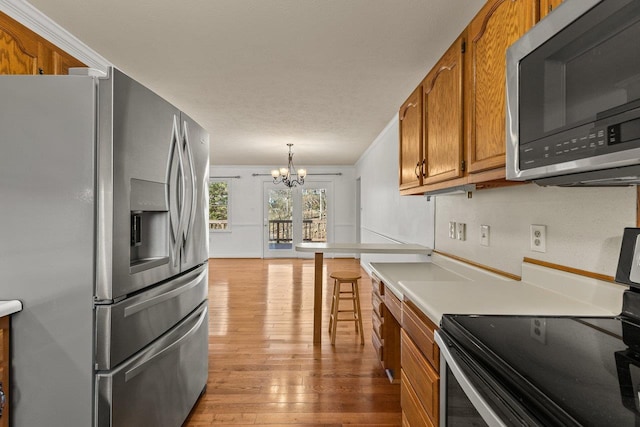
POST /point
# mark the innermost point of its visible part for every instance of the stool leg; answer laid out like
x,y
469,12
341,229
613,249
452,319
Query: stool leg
x,y
354,286
333,302
334,312
359,313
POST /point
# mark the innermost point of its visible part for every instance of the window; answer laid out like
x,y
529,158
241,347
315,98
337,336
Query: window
x,y
219,206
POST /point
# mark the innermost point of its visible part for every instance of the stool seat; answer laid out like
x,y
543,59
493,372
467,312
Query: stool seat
x,y
345,275
350,294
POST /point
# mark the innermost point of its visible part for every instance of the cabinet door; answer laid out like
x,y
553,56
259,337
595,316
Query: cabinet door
x,y
410,123
62,61
20,49
443,126
498,24
546,6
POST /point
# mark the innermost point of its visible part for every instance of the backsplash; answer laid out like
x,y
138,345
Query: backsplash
x,y
583,225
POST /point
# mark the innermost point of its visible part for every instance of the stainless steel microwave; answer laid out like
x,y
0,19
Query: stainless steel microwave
x,y
573,97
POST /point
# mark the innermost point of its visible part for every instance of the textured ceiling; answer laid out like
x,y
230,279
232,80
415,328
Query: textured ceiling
x,y
325,75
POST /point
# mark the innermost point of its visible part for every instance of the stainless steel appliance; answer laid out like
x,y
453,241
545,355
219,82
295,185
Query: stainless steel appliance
x,y
573,96
546,371
103,218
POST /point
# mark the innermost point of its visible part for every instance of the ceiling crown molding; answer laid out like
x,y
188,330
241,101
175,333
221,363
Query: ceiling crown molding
x,y
36,21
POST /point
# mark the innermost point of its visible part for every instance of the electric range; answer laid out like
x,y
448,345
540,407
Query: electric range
x,y
546,370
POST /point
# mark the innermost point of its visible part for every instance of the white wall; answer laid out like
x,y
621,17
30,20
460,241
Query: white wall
x,y
387,217
245,239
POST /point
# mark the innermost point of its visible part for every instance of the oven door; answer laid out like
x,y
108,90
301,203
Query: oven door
x,y
470,396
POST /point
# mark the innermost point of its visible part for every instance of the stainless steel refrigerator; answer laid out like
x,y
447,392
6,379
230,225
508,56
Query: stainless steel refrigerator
x,y
103,237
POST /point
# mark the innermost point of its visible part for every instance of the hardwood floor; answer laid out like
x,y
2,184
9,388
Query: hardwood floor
x,y
263,366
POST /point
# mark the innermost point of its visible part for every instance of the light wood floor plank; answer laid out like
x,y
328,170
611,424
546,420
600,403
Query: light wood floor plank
x,y
263,367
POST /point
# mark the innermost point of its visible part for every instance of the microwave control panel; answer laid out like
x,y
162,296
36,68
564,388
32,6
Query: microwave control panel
x,y
579,143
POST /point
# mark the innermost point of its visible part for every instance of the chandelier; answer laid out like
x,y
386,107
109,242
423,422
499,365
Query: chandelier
x,y
286,175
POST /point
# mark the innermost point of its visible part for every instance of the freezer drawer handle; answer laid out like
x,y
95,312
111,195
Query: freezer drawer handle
x,y
139,368
3,399
143,305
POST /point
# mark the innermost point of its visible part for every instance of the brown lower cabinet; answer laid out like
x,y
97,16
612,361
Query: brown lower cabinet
x,y
4,370
403,337
386,318
420,362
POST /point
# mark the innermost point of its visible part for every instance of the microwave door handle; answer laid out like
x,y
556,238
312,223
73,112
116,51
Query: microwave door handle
x,y
192,182
487,413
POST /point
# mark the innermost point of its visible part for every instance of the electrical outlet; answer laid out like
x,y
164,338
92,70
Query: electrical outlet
x,y
538,238
452,230
539,330
461,229
484,235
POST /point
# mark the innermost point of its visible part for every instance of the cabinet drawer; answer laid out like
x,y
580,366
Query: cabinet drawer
x,y
378,305
412,410
393,304
377,345
421,376
378,325
421,329
377,285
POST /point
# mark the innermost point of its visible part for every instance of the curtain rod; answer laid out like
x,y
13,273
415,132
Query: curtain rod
x,y
222,177
309,174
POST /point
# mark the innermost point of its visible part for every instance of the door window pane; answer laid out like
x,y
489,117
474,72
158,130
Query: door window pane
x,y
314,215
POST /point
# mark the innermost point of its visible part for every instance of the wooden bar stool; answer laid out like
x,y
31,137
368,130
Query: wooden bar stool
x,y
350,293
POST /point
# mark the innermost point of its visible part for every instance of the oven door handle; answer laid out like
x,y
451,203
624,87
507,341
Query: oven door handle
x,y
481,405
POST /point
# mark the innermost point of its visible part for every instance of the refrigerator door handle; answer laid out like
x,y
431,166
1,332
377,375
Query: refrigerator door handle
x,y
192,182
176,149
140,367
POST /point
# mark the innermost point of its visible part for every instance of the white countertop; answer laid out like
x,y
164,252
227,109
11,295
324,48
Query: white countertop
x,y
391,273
493,297
380,248
447,288
9,307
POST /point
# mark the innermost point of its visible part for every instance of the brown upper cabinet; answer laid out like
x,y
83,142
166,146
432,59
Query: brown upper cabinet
x,y
410,124
498,24
546,6
442,109
24,52
463,105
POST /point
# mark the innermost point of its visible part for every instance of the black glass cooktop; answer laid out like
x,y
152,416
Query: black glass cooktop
x,y
586,368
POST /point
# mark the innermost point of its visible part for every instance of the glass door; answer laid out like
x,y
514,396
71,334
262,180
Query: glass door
x,y
292,216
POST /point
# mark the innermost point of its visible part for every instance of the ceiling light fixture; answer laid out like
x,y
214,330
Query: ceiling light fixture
x,y
286,175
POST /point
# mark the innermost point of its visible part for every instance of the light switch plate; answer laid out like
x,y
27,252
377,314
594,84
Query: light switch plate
x,y
452,230
484,235
461,229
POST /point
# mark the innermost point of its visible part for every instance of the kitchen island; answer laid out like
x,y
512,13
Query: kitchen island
x,y
346,248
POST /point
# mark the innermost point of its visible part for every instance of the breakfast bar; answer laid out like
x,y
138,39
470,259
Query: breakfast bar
x,y
349,248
